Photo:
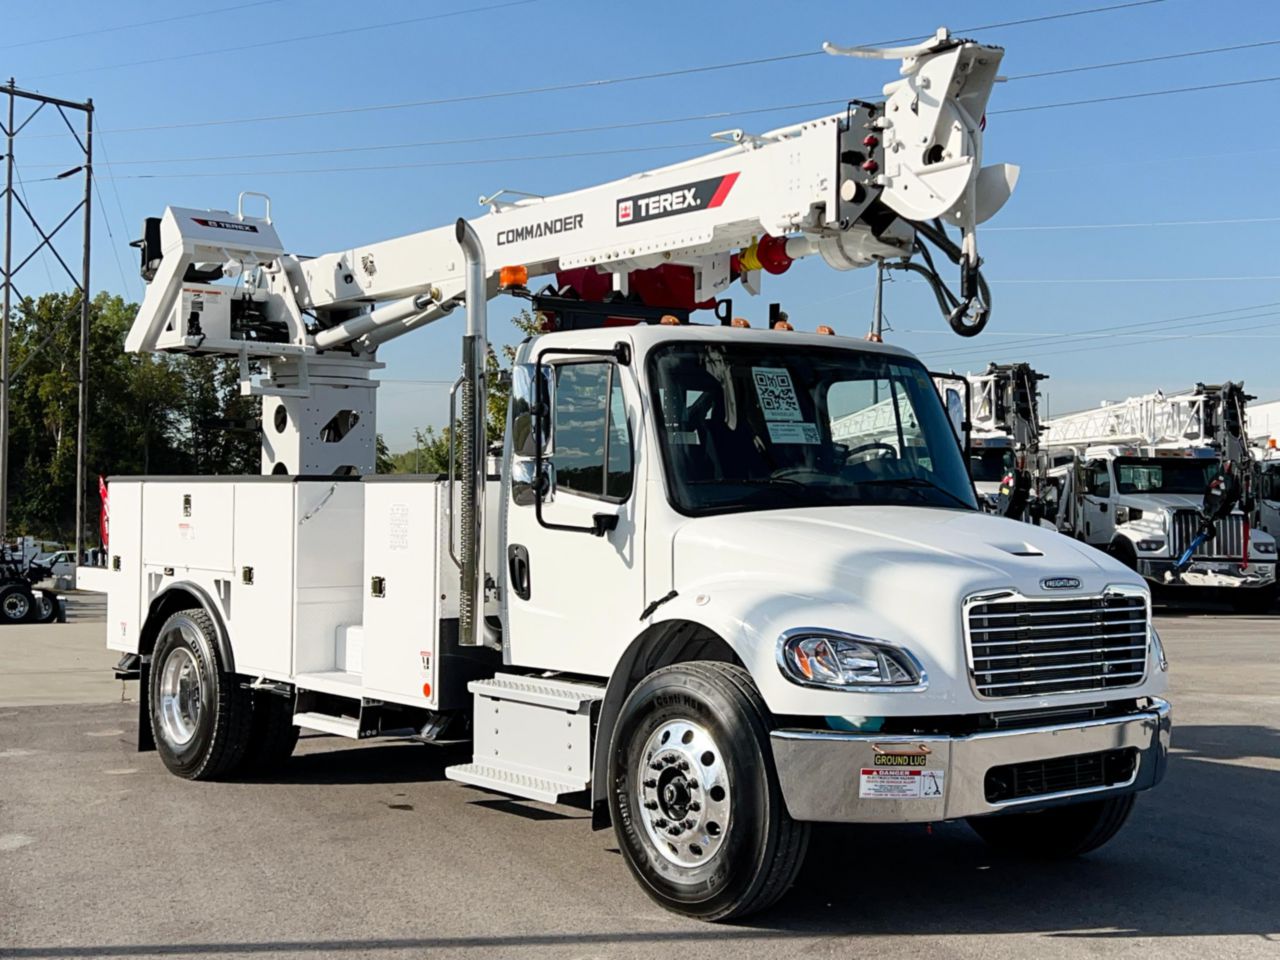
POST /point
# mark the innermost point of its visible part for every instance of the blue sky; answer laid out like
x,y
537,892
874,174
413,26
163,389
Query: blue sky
x,y
1065,278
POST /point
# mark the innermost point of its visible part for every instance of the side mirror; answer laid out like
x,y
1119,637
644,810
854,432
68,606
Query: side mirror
x,y
531,410
531,481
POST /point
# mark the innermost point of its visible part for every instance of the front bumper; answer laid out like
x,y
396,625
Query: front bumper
x,y
1212,573
863,778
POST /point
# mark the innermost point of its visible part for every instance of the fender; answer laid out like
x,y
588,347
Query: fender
x,y
164,601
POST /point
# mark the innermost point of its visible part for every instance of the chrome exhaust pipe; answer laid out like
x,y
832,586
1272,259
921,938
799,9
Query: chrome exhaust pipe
x,y
472,630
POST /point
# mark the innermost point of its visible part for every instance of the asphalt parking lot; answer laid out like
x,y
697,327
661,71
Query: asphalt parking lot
x,y
365,850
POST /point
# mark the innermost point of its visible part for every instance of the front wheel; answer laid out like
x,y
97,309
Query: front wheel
x,y
1057,833
694,795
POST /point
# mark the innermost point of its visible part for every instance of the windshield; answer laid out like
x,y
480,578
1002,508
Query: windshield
x,y
990,465
1160,475
759,427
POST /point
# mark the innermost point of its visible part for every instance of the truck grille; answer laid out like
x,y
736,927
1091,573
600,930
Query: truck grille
x,y
1228,542
1020,647
1039,778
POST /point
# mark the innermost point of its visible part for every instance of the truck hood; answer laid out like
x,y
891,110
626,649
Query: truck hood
x,y
1161,501
860,552
897,573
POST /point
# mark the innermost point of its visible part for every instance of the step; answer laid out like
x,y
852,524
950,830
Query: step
x,y
327,723
513,783
340,683
538,691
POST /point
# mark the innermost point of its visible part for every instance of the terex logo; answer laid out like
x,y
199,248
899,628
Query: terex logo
x,y
226,225
685,198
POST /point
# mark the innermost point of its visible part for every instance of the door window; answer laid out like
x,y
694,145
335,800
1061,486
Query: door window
x,y
591,435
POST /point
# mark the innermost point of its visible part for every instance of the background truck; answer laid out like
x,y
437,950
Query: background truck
x,y
1144,479
681,599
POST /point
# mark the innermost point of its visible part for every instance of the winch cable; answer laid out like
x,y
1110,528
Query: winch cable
x,y
973,286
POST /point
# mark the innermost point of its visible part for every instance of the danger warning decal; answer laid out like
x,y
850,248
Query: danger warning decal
x,y
685,198
226,225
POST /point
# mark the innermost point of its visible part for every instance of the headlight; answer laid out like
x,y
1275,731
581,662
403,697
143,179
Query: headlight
x,y
1150,546
1158,648
1264,547
843,661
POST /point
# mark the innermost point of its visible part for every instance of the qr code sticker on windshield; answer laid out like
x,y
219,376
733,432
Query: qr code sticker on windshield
x,y
777,394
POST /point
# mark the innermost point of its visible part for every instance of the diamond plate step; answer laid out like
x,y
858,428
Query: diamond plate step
x,y
538,691
529,786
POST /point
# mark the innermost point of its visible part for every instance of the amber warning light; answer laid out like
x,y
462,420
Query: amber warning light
x,y
509,277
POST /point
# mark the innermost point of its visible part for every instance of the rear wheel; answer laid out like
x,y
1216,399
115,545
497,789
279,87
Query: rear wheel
x,y
694,796
1057,833
17,603
46,607
200,716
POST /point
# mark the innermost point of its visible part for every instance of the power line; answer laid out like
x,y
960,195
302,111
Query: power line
x,y
345,31
1124,226
613,81
138,23
115,188
1133,96
1202,319
448,163
1160,58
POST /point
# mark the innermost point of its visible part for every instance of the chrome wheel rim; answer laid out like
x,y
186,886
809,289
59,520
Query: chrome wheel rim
x,y
16,606
683,791
180,702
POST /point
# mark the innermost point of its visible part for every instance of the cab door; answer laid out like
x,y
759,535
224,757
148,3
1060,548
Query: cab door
x,y
1097,512
574,577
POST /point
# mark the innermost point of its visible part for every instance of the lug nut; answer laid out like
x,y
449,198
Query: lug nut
x,y
651,804
689,824
661,823
683,765
651,783
695,806
675,829
656,765
692,784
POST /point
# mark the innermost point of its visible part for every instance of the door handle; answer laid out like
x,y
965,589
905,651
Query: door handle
x,y
518,570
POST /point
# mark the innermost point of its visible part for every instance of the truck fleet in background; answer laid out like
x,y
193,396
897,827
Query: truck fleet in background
x,y
1182,487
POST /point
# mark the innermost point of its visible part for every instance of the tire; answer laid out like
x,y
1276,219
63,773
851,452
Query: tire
x,y
17,604
1124,551
744,850
46,607
1058,833
272,735
200,716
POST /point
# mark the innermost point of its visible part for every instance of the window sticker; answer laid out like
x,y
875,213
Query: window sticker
x,y
806,433
777,394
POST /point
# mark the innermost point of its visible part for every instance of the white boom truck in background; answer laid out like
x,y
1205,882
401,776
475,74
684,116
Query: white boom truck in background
x,y
1167,483
681,598
1264,431
1004,432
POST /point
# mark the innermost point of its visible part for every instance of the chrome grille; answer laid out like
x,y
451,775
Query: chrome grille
x,y
1021,647
1227,542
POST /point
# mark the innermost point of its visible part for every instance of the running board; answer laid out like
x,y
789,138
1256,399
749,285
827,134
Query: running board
x,y
532,737
326,723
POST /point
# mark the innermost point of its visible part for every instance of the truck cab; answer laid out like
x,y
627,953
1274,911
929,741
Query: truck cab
x,y
1142,505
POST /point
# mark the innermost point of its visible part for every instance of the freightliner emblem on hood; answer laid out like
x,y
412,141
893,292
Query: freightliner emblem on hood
x,y
1059,583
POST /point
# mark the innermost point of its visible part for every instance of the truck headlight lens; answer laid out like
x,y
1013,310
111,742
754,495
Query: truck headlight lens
x,y
843,661
1150,546
1264,547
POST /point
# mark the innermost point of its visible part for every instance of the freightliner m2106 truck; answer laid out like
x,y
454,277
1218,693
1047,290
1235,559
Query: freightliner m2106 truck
x,y
680,600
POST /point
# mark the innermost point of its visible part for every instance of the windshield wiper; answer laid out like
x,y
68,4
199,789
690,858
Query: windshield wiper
x,y
915,483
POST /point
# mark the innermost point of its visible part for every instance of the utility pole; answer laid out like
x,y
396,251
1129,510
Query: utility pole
x,y
877,311
12,128
4,333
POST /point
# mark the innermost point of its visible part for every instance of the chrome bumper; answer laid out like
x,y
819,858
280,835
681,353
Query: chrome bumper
x,y
1212,573
849,777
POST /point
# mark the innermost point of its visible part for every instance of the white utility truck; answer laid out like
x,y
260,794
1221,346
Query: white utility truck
x,y
1146,476
679,598
1003,433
